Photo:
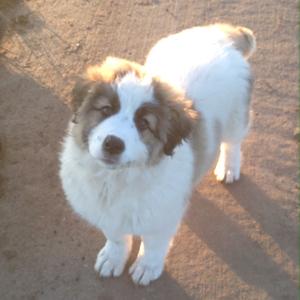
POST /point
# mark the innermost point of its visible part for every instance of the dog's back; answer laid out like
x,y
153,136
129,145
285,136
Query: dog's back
x,y
210,65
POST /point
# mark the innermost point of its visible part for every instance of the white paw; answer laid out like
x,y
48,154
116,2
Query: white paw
x,y
228,167
143,272
227,174
111,260
229,163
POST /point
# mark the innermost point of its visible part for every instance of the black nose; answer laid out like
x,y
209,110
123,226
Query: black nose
x,y
113,145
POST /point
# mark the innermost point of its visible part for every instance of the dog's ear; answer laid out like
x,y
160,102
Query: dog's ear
x,y
79,93
182,119
113,68
179,116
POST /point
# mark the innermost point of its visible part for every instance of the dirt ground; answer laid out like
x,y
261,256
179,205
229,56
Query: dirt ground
x,y
236,242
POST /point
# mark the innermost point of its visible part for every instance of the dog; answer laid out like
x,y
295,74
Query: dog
x,y
142,136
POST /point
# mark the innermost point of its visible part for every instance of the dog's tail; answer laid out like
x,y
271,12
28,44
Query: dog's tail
x,y
243,38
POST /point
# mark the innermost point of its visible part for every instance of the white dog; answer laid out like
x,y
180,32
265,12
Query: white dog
x,y
141,138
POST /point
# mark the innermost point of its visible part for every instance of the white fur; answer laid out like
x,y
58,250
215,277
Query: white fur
x,y
203,62
229,163
149,201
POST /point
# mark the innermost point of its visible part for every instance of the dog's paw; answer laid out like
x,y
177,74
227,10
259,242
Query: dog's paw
x,y
111,260
227,175
228,166
143,272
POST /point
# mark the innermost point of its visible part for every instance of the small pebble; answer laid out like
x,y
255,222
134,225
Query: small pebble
x,y
297,133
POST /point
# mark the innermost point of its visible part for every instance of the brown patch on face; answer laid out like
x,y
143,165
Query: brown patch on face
x,y
79,93
113,69
149,119
166,122
179,115
92,103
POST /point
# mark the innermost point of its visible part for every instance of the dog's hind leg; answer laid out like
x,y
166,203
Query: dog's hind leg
x,y
229,162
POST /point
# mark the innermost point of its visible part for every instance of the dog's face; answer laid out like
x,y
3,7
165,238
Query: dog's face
x,y
123,117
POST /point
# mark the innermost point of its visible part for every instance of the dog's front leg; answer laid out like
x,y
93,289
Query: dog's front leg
x,y
150,261
112,258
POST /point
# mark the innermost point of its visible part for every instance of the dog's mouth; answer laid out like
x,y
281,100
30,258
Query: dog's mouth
x,y
113,163
110,160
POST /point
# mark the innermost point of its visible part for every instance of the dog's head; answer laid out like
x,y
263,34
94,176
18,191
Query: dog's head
x,y
122,116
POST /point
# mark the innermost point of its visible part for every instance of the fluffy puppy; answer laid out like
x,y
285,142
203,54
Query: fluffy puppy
x,y
141,137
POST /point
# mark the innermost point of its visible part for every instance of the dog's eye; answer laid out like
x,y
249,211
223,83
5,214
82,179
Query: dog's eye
x,y
106,110
143,124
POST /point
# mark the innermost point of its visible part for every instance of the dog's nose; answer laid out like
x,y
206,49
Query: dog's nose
x,y
113,145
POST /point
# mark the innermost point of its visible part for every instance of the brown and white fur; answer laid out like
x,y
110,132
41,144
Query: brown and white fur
x,y
141,137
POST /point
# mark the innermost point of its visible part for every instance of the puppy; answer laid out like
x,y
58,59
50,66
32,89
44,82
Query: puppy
x,y
141,137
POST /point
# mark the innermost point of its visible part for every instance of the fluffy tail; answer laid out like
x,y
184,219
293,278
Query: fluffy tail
x,y
245,41
243,38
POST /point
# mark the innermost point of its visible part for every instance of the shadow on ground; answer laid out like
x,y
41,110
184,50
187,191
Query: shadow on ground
x,y
244,256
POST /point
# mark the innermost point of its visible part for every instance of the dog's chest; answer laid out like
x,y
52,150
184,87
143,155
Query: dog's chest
x,y
112,202
132,201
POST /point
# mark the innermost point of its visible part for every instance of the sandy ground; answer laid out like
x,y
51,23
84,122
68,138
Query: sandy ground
x,y
236,242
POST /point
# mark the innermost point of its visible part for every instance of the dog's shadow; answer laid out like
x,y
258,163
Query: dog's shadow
x,y
230,243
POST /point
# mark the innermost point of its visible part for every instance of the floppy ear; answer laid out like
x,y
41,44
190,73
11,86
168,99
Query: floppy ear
x,y
79,93
179,117
182,119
